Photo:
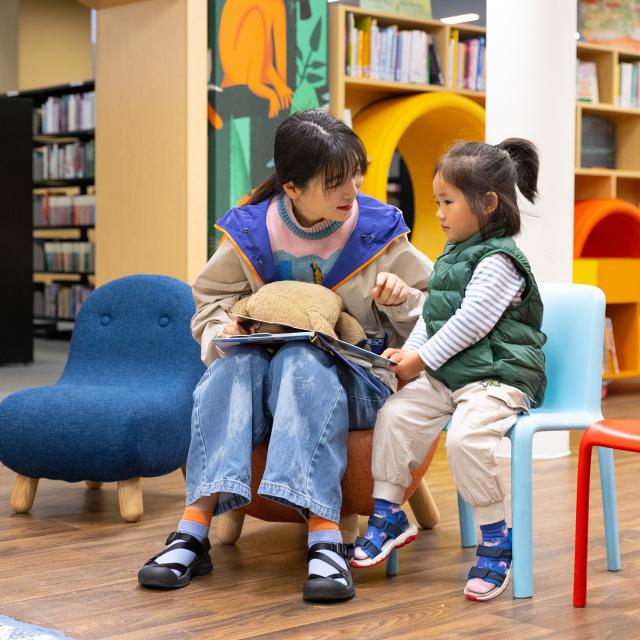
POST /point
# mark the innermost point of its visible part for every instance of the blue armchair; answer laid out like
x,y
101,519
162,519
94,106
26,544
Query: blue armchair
x,y
122,407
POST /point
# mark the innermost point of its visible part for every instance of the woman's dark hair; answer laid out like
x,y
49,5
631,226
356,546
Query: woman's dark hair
x,y
312,143
477,168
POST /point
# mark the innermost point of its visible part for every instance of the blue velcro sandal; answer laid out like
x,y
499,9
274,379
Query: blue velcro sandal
x,y
494,575
399,532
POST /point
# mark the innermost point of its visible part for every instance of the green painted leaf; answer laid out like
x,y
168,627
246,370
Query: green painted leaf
x,y
314,77
317,64
314,41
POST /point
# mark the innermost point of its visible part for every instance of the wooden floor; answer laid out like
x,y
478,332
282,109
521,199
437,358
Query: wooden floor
x,y
72,564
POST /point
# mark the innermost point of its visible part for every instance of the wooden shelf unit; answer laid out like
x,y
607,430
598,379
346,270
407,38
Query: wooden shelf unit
x,y
623,181
71,186
357,93
617,277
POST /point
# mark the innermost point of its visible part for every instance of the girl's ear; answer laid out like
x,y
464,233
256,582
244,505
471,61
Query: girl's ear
x,y
291,190
490,202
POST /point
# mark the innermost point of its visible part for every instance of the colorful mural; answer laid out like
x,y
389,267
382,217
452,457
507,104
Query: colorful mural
x,y
267,59
613,22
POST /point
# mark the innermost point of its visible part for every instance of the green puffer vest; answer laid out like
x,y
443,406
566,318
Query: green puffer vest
x,y
512,351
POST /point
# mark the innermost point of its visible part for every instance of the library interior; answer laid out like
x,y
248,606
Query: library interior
x,y
167,168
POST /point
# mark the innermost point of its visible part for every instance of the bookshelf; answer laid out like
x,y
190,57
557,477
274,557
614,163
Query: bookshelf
x,y
356,93
63,200
607,217
623,181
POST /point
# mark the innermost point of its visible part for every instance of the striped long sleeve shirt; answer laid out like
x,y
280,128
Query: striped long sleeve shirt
x,y
495,285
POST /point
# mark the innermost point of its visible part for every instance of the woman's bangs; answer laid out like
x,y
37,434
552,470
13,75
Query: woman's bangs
x,y
343,168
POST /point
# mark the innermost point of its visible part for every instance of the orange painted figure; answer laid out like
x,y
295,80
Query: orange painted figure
x,y
252,44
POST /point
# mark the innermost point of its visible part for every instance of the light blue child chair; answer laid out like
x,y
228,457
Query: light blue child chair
x,y
574,325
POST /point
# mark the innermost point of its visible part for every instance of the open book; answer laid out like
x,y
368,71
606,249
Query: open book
x,y
348,353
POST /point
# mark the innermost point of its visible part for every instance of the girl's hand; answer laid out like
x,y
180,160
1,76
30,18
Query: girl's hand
x,y
389,290
409,363
235,328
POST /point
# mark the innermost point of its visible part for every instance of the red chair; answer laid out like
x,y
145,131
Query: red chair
x,y
613,434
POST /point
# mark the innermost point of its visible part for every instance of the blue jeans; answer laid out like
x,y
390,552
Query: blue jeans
x,y
300,398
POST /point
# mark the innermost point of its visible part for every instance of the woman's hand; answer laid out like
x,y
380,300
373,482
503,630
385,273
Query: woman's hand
x,y
409,363
235,328
389,290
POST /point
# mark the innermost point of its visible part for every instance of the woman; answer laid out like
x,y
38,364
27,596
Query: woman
x,y
309,223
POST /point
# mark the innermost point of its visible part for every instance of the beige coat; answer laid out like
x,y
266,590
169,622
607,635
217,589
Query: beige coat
x,y
227,277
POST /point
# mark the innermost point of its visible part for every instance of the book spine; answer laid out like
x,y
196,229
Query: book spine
x,y
452,68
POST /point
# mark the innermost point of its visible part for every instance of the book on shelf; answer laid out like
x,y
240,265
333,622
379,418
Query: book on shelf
x,y
72,256
69,113
467,62
390,54
53,210
351,46
586,81
610,355
66,161
59,301
436,76
452,70
628,90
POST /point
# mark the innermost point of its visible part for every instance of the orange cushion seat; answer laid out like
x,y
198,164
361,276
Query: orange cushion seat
x,y
357,483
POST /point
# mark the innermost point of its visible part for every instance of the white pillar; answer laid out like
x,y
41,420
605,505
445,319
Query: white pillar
x,y
531,59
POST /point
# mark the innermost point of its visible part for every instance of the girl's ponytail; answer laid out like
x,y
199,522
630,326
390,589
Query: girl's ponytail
x,y
266,190
524,155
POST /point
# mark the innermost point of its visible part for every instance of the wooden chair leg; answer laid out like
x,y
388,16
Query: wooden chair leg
x,y
24,493
91,484
424,507
349,527
229,526
130,498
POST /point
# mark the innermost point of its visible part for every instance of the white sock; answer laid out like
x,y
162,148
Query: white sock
x,y
321,568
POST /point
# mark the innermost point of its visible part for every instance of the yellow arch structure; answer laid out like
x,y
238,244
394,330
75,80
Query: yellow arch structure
x,y
422,127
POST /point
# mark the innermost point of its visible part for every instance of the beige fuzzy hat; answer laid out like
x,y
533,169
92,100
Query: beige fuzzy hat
x,y
300,305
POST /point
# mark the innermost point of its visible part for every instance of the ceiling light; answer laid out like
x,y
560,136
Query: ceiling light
x,y
465,17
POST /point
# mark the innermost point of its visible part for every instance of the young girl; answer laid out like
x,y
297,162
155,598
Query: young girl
x,y
477,352
309,223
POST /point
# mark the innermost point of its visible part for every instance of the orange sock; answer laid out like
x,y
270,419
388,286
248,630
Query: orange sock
x,y
316,523
199,517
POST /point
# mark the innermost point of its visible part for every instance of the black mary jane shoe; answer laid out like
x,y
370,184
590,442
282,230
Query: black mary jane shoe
x,y
330,588
161,576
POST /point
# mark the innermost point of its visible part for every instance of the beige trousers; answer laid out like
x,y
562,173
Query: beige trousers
x,y
481,413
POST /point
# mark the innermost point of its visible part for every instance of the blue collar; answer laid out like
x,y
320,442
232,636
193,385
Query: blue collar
x,y
377,226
